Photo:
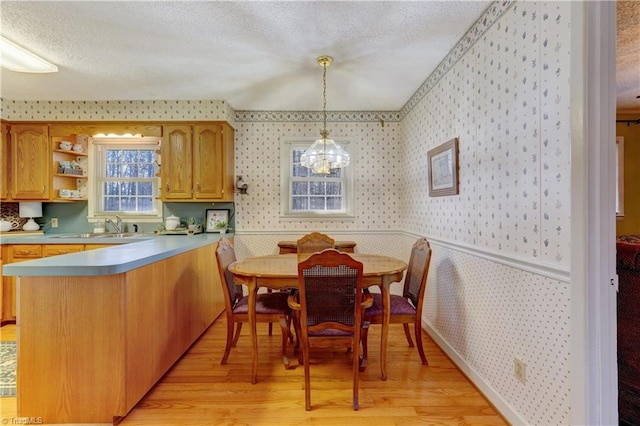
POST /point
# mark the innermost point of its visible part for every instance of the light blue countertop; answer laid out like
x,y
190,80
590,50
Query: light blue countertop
x,y
126,254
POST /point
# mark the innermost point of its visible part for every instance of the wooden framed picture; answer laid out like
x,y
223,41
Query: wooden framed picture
x,y
443,169
217,220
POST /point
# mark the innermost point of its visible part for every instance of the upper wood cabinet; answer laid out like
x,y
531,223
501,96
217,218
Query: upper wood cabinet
x,y
69,178
176,169
197,162
30,161
208,162
4,161
197,159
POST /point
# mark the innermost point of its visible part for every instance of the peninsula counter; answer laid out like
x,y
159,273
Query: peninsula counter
x,y
97,329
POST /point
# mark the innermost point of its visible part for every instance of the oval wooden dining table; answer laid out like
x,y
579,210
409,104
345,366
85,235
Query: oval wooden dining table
x,y
281,271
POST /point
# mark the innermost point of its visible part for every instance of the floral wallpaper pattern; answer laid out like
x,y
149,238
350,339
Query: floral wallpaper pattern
x,y
492,314
13,110
507,100
258,161
504,92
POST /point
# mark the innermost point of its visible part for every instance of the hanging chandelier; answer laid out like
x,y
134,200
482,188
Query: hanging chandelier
x,y
325,154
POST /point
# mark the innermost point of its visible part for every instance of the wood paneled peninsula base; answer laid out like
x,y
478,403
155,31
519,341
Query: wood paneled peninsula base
x,y
91,346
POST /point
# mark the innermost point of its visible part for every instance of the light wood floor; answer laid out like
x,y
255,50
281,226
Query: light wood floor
x,y
200,391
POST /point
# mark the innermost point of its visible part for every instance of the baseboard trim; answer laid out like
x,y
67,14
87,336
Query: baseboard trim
x,y
502,406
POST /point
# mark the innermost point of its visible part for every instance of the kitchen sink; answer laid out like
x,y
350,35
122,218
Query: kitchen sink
x,y
101,235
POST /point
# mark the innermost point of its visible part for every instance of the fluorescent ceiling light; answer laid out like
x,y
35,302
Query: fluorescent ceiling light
x,y
17,58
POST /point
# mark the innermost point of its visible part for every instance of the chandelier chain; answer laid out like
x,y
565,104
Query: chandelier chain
x,y
324,96
324,155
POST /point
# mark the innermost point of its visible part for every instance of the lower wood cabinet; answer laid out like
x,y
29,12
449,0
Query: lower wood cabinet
x,y
20,253
121,333
15,253
49,250
96,246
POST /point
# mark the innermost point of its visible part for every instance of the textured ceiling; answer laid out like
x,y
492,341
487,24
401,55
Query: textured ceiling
x,y
628,56
257,55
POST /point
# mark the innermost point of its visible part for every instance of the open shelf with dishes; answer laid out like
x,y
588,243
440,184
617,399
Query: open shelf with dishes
x,y
69,168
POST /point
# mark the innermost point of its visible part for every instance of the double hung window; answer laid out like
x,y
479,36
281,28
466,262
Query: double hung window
x,y
124,178
305,194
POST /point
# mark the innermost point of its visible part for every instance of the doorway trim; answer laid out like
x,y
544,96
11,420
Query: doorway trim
x,y
593,276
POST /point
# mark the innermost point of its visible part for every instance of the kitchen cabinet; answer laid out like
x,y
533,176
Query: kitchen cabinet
x,y
96,246
63,175
197,159
29,151
3,255
176,170
122,332
49,250
4,161
19,253
15,253
197,162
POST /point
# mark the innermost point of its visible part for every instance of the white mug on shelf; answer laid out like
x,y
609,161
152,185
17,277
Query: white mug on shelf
x,y
78,147
66,145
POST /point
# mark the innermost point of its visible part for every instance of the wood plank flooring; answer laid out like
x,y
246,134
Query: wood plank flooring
x,y
200,391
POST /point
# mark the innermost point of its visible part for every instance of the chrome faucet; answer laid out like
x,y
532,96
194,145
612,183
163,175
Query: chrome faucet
x,y
117,225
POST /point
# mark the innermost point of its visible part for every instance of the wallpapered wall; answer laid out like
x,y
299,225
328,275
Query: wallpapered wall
x,y
507,99
504,91
13,110
377,174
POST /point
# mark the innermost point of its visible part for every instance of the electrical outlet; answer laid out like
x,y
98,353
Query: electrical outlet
x,y
519,370
54,222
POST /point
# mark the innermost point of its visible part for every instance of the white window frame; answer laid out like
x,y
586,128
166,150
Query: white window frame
x,y
95,159
620,177
286,147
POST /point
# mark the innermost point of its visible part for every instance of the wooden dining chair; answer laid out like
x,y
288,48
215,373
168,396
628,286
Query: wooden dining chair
x,y
315,242
310,243
270,307
406,308
330,305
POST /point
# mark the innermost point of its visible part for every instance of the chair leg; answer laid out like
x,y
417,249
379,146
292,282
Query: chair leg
x,y
270,324
296,347
407,334
356,369
365,347
285,338
289,328
307,379
227,348
418,331
235,338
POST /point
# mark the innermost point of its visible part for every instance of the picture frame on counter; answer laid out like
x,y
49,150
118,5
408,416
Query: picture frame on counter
x,y
217,220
